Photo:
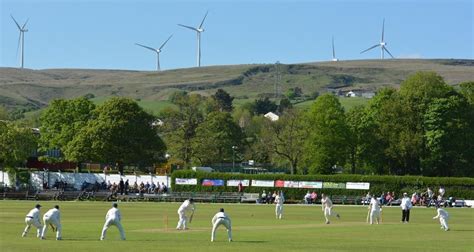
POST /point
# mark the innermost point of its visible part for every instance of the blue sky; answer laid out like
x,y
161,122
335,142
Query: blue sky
x,y
100,34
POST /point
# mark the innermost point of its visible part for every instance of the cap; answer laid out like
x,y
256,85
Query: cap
x,y
114,205
56,206
221,210
404,194
38,206
191,199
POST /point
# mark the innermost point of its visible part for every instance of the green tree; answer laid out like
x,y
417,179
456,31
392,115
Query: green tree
x,y
62,121
180,125
215,139
16,144
263,106
223,100
467,90
448,137
121,133
284,138
285,104
326,145
360,138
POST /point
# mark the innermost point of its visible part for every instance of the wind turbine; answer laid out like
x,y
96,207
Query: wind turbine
x,y
157,50
333,51
21,39
382,44
198,30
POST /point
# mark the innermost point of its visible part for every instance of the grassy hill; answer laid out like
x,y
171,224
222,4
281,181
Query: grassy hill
x,y
33,89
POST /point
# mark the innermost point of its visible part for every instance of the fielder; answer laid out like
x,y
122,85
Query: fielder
x,y
52,218
188,205
443,217
374,210
279,200
32,218
326,205
113,217
221,218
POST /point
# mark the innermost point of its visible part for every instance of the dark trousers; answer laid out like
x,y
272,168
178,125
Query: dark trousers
x,y
406,215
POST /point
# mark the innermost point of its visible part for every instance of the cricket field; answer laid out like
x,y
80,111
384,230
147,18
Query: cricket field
x,y
150,226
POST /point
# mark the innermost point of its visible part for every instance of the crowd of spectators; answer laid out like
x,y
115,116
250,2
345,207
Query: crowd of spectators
x,y
142,188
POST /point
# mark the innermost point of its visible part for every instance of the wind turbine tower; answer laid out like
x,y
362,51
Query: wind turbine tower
x,y
198,31
333,51
21,39
157,50
382,44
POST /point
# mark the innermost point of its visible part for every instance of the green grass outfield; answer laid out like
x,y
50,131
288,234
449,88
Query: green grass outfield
x,y
254,229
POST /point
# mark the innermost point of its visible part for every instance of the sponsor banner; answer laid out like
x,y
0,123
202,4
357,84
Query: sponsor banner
x,y
280,183
245,182
262,183
186,181
291,184
334,185
212,182
357,185
311,184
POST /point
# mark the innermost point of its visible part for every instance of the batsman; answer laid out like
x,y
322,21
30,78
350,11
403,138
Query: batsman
x,y
187,206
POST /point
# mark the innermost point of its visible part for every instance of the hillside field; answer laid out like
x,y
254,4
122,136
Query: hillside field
x,y
30,90
254,229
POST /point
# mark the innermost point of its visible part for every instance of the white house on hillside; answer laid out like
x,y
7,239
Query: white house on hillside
x,y
272,116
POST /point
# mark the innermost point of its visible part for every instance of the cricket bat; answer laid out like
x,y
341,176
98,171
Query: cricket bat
x,y
368,215
52,227
191,218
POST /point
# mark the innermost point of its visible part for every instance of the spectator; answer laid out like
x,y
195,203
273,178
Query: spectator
x,y
121,186
414,198
441,192
152,188
240,187
388,198
126,187
307,198
314,197
382,198
263,198
165,188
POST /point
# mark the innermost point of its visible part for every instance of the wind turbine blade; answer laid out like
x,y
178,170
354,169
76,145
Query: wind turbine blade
x,y
16,22
370,48
147,47
385,48
165,42
383,28
202,22
189,27
333,51
23,27
18,46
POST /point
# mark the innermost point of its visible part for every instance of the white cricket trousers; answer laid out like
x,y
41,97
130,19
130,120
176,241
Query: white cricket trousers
x,y
226,223
374,215
35,222
47,221
114,222
183,220
444,223
328,212
279,211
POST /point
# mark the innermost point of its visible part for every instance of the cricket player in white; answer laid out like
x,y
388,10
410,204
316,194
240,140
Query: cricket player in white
x,y
113,217
326,205
443,218
374,210
221,218
188,205
32,218
279,200
52,218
